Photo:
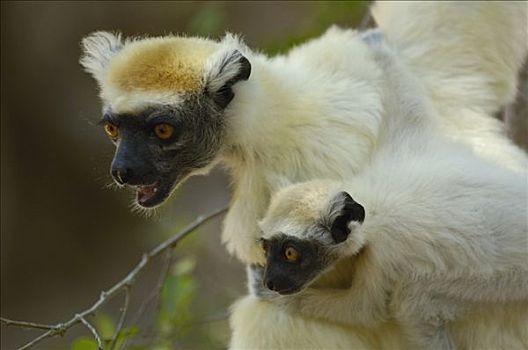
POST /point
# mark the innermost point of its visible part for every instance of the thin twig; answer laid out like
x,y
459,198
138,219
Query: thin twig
x,y
159,286
155,294
50,333
93,330
121,321
25,324
126,282
162,278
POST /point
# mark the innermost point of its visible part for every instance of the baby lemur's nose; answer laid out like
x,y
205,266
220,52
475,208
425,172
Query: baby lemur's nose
x,y
270,285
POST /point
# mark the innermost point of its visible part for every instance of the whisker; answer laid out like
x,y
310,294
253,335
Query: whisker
x,y
147,213
113,186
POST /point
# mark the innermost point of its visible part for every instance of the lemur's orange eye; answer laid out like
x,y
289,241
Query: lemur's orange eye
x,y
164,131
291,254
111,130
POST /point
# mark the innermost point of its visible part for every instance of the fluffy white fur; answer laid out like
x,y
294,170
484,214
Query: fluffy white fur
x,y
369,98
467,55
445,236
321,111
285,115
100,47
136,73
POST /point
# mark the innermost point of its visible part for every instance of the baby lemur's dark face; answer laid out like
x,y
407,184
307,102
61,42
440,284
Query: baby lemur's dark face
x,y
293,262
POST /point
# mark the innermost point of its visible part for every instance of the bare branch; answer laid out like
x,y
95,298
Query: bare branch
x,y
124,284
168,259
93,330
163,276
121,322
25,324
50,333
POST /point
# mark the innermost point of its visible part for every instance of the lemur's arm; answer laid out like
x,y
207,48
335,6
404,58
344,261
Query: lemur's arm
x,y
240,231
358,304
363,303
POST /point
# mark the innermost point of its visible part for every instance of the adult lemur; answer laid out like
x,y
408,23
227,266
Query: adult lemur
x,y
175,106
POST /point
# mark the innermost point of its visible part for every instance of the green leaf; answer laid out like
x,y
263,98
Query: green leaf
x,y
176,297
185,266
105,325
126,333
84,343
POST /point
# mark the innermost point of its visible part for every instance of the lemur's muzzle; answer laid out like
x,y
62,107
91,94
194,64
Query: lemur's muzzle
x,y
280,285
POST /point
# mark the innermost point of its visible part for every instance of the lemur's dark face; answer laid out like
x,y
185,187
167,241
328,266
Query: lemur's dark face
x,y
293,263
158,148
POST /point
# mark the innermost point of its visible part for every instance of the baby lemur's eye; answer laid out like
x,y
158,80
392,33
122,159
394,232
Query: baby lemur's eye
x,y
111,130
291,254
164,131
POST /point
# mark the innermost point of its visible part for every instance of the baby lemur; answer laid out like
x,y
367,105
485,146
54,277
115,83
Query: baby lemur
x,y
466,249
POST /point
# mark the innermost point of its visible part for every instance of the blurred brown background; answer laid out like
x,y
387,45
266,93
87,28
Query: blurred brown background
x,y
64,235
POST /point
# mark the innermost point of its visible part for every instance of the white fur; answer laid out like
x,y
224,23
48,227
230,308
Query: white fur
x,y
102,49
293,130
283,118
445,236
99,49
467,55
321,111
444,54
218,69
132,101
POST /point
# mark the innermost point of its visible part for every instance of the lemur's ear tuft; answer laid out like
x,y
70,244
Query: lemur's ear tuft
x,y
223,71
98,48
343,211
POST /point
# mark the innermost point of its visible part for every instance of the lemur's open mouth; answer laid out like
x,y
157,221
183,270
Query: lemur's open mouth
x,y
149,196
146,192
154,194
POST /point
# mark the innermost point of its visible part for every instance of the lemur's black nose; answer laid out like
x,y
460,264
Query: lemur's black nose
x,y
121,175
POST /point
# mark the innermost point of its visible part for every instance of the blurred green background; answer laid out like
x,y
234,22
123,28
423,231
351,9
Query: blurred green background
x,y
65,236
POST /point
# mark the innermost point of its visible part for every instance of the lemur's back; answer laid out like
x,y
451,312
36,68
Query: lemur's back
x,y
461,212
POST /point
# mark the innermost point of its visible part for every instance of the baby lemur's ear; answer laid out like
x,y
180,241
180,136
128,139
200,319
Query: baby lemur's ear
x,y
343,211
223,71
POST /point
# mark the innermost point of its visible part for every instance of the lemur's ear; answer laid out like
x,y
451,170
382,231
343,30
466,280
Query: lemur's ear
x,y
98,48
223,72
343,211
